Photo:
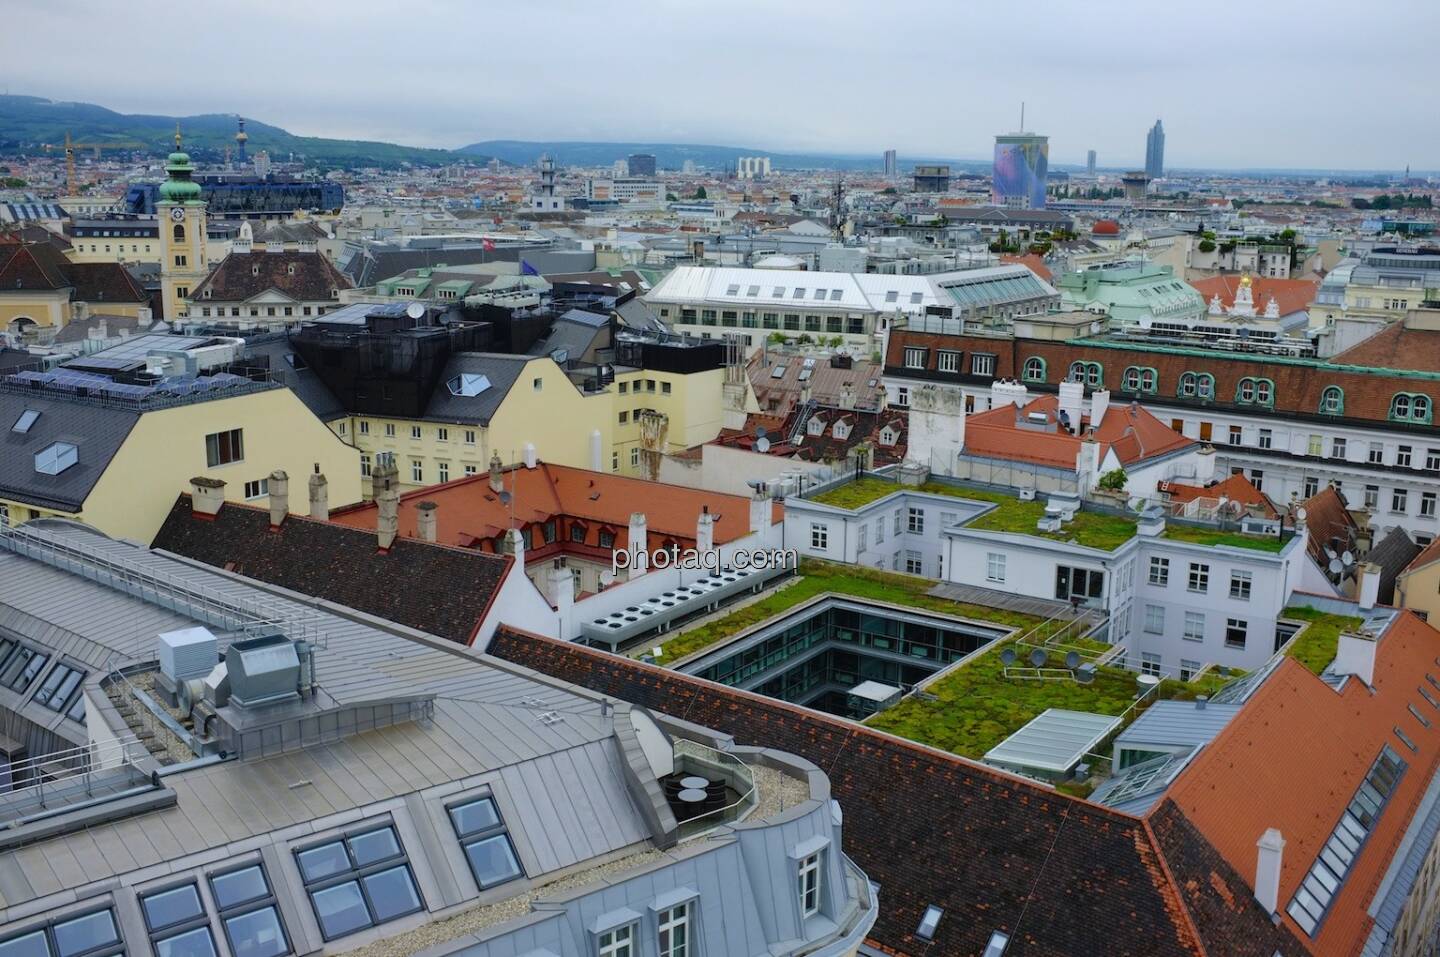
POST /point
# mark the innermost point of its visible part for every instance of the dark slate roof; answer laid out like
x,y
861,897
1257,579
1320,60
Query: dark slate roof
x,y
308,387
236,279
41,266
78,330
501,369
19,360
576,337
637,315
99,283
437,589
1393,554
1059,875
96,432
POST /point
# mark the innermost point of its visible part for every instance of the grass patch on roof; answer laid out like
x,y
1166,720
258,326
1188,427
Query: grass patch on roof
x,y
818,577
1213,536
1090,529
1315,646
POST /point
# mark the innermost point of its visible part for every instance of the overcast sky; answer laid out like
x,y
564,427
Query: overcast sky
x,y
1258,83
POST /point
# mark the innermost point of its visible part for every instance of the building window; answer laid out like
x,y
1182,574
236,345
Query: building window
x,y
537,384
1372,496
624,417
915,521
364,427
486,842
257,488
177,922
1196,385
1189,669
1194,626
664,388
1399,500
1264,438
981,364
414,431
994,567
92,935
1376,455
1240,585
364,464
914,564
1337,448
1252,391
1432,460
442,434
1139,379
469,436
1402,457
914,358
1080,583
1410,407
1087,373
809,885
673,927
1199,577
1332,401
442,470
1159,571
1235,435
635,457
417,471
902,396
1155,619
618,942
948,361
1149,664
1257,479
1427,504
249,915
1235,629
389,430
819,536
358,881
1312,486
222,448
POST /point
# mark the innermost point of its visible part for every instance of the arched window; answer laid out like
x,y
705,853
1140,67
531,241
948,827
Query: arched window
x,y
1252,391
1205,386
1139,379
1332,400
1264,392
1410,407
1087,373
1034,370
179,232
1246,391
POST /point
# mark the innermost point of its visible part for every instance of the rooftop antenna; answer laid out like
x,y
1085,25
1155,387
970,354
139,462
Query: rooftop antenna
x,y
1022,116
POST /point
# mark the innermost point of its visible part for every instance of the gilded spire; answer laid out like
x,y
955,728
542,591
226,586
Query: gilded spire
x,y
177,137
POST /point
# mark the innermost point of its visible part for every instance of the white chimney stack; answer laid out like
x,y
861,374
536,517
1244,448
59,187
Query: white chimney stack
x,y
1008,392
530,457
206,496
705,532
1205,465
639,545
1099,405
1355,655
1271,850
279,485
514,544
1368,589
1072,399
386,480
760,512
319,495
425,522
560,586
497,474
596,451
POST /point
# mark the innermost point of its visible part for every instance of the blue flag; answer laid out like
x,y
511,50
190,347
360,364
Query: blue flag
x,y
528,270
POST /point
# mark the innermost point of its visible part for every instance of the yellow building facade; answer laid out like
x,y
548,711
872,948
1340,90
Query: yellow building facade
x,y
1418,586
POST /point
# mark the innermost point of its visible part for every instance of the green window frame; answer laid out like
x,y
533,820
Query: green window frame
x,y
1253,390
1196,385
1139,379
1033,369
1088,373
1413,407
1332,400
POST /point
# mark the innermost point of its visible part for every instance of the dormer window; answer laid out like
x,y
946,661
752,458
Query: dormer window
x,y
887,437
815,426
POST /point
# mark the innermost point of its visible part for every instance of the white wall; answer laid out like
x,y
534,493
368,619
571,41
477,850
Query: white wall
x,y
723,469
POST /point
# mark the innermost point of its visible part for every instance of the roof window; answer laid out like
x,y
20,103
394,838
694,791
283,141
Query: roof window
x,y
27,419
56,458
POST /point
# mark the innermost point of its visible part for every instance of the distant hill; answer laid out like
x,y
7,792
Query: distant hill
x,y
672,156
29,122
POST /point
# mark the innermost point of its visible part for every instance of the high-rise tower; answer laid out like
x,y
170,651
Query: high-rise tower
x,y
181,212
241,138
1155,151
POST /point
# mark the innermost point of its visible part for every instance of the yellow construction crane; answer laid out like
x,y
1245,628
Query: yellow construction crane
x,y
72,187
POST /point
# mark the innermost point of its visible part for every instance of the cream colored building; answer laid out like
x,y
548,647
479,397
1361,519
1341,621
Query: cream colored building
x,y
118,463
1418,586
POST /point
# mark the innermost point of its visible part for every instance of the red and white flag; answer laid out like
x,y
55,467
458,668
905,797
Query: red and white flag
x,y
489,245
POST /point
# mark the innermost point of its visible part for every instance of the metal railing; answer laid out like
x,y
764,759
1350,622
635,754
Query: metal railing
x,y
31,777
736,772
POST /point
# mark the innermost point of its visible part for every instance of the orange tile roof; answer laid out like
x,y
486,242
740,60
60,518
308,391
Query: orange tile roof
x,y
1036,264
1396,347
1237,488
1328,518
1427,555
1130,430
470,514
1291,295
1293,758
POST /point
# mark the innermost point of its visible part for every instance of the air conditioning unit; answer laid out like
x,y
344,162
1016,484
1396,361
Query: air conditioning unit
x,y
187,653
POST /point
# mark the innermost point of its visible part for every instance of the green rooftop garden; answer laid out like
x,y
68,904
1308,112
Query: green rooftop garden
x,y
817,578
1214,536
1315,646
1091,529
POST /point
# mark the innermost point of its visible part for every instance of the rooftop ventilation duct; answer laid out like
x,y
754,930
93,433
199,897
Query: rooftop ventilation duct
x,y
263,671
187,653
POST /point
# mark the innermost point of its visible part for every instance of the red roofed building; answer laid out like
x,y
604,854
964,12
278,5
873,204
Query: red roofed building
x,y
1244,497
1254,295
1105,227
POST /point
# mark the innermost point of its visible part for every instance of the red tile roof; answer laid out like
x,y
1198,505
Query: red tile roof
x,y
1130,430
1036,264
1396,347
470,514
1236,488
1274,766
1290,295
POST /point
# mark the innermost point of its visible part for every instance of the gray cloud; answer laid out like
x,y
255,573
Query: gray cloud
x,y
1280,83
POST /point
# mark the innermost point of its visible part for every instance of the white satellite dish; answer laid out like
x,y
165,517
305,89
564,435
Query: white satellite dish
x,y
1331,552
762,445
1335,566
1300,513
1348,558
607,579
416,310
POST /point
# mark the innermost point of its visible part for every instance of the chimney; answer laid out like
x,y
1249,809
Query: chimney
x,y
514,544
319,495
206,496
530,457
1099,405
759,512
425,522
497,476
1271,850
1368,590
596,451
1355,655
144,317
1072,398
639,545
1205,465
560,587
279,484
1087,464
705,532
847,398
1008,392
386,479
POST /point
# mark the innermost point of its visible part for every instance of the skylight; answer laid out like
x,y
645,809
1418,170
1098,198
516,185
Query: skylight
x,y
929,922
835,294
753,291
468,384
56,458
732,290
27,419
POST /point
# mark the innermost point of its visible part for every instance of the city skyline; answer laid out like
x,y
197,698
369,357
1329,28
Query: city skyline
x,y
449,97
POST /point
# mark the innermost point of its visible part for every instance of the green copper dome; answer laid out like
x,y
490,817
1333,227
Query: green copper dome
x,y
178,187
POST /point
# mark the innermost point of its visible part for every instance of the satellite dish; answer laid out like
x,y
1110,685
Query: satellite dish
x,y
416,310
762,445
1007,657
759,431
505,497
1072,660
1348,557
1331,552
1038,657
1300,513
607,578
1336,567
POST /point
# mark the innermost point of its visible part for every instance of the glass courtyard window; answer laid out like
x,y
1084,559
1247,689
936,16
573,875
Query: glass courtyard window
x,y
358,881
178,924
248,912
487,846
94,934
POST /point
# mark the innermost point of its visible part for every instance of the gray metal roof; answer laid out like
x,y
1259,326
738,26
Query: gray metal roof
x,y
307,386
96,432
1053,741
1177,724
501,369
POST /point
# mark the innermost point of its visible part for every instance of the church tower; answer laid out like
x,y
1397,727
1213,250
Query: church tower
x,y
181,214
